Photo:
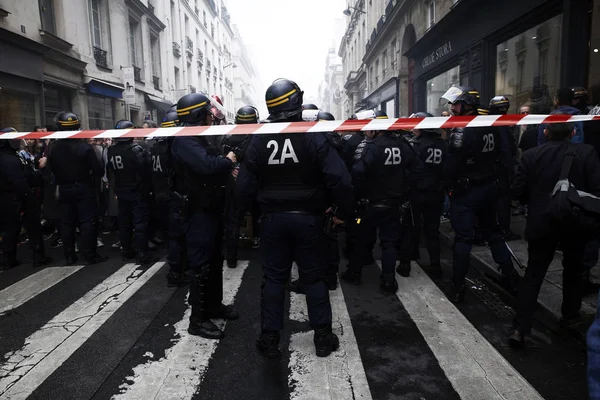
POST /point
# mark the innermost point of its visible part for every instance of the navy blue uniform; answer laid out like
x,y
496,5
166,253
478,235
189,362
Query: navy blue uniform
x,y
472,157
295,176
379,175
427,195
76,169
167,204
13,193
200,177
128,168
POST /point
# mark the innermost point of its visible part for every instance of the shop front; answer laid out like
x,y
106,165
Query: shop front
x,y
385,98
103,104
516,48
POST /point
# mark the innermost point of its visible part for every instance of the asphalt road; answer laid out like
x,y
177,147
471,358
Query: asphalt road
x,y
115,331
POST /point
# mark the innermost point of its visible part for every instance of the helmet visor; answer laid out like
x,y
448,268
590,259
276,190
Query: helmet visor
x,y
216,109
368,114
310,115
452,95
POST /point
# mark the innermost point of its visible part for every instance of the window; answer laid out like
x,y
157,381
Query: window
x,y
100,112
436,88
528,67
204,18
133,48
47,15
155,55
96,25
384,64
212,30
430,13
177,79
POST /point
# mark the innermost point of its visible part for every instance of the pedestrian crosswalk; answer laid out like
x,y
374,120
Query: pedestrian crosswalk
x,y
473,368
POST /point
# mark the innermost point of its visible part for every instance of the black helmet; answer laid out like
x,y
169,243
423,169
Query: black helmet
x,y
67,121
170,119
124,124
325,116
309,106
579,93
463,94
284,100
192,108
370,114
421,114
246,115
14,144
499,105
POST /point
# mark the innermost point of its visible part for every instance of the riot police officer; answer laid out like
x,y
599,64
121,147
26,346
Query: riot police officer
x,y
380,177
499,105
167,204
234,214
76,169
199,181
426,196
471,167
13,193
295,176
128,168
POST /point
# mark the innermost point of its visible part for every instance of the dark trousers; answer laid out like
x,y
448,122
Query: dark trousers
x,y
387,221
503,205
32,222
478,203
285,238
10,226
134,212
233,217
204,239
426,209
541,253
355,236
333,254
176,256
78,208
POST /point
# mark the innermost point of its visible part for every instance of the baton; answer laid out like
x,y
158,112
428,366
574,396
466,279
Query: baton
x,y
519,263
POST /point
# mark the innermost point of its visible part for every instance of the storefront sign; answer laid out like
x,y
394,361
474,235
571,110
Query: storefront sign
x,y
129,83
437,55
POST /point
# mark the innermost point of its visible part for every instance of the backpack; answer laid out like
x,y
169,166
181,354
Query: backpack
x,y
572,208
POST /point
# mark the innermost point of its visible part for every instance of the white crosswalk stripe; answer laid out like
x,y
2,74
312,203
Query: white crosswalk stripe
x,y
180,372
48,348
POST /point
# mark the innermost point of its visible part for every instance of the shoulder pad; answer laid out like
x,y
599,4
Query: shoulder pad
x,y
360,149
347,137
334,139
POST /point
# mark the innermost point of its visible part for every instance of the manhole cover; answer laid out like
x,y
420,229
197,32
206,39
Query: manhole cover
x,y
491,299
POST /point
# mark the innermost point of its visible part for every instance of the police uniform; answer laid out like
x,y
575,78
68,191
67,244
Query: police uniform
x,y
472,170
234,213
128,169
295,177
13,193
427,198
76,169
379,176
199,181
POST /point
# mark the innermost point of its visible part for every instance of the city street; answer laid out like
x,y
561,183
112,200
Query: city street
x,y
115,330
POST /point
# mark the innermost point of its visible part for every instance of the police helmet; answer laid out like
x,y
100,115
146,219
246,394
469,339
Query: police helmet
x,y
192,108
284,100
124,124
170,119
463,94
579,93
14,144
246,115
173,108
325,116
499,105
309,106
421,114
67,121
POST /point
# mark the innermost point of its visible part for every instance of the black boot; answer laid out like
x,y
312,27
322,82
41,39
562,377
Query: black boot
x,y
332,282
40,260
510,279
8,261
352,276
295,286
435,270
403,269
144,259
458,294
516,339
232,263
95,259
128,255
325,341
177,279
200,324
223,312
268,344
388,286
206,329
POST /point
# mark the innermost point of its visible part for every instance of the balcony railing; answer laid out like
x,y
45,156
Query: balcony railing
x,y
208,64
200,55
156,81
176,49
215,71
520,45
137,73
100,57
189,45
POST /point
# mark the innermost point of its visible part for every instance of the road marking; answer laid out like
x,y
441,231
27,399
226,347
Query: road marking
x,y
48,348
472,365
26,289
180,372
338,376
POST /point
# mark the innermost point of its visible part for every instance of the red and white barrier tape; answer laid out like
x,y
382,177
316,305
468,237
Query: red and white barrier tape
x,y
391,124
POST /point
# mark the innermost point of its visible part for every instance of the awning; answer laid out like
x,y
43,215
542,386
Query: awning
x,y
104,88
162,104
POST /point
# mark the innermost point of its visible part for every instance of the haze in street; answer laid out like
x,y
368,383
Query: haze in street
x,y
289,39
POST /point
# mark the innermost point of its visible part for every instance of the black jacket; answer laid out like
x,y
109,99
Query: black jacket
x,y
537,175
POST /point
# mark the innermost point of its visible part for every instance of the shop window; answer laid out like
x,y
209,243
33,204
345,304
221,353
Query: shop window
x,y
19,110
436,88
528,67
56,99
100,112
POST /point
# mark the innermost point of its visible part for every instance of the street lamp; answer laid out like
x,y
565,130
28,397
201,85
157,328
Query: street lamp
x,y
348,13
